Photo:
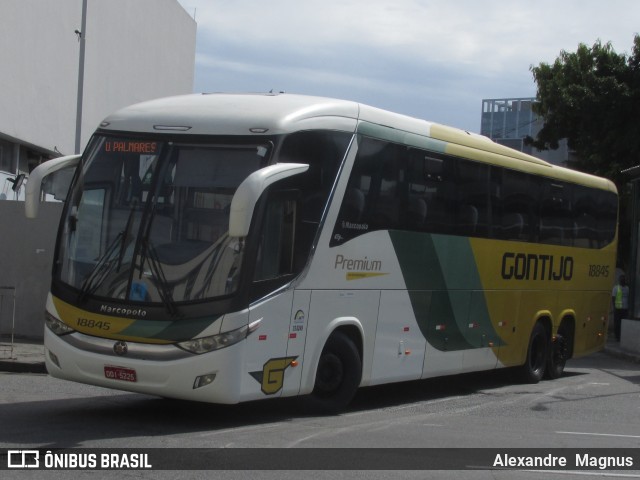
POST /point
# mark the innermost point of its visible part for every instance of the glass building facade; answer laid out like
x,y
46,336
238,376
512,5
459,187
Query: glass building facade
x,y
508,121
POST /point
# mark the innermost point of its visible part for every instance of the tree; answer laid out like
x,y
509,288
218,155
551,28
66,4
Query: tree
x,y
592,98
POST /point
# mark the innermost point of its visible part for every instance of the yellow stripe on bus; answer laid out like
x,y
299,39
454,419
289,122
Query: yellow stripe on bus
x,y
96,324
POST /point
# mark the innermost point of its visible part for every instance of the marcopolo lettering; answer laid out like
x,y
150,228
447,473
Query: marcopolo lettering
x,y
125,312
529,266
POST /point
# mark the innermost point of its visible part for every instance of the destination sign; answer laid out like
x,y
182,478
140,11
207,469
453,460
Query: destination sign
x,y
129,146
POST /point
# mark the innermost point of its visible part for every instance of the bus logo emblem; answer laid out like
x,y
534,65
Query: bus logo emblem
x,y
271,378
121,348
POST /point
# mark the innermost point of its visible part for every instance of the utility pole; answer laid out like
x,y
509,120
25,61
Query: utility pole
x,y
82,36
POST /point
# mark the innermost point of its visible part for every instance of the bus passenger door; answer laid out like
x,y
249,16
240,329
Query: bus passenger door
x,y
296,341
266,360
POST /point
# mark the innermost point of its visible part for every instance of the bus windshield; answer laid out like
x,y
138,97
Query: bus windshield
x,y
147,221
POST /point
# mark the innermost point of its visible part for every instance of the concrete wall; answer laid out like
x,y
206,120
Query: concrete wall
x,y
630,336
26,255
135,50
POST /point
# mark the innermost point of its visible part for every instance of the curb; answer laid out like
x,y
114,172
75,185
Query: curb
x,y
631,357
12,366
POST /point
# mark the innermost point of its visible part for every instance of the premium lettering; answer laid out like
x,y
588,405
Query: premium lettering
x,y
364,264
529,266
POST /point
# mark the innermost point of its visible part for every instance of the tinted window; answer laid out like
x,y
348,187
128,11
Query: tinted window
x,y
518,206
473,195
556,222
585,208
399,187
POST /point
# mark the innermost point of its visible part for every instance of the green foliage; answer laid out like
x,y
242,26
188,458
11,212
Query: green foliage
x,y
591,97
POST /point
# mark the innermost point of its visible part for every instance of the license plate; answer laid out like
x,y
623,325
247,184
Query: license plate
x,y
120,373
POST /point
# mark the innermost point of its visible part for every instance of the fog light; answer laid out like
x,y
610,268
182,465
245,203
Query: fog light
x,y
204,380
54,358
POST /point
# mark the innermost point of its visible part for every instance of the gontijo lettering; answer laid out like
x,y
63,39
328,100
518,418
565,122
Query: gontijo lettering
x,y
529,266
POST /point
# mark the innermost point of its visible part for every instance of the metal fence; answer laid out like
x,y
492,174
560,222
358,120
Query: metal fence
x,y
7,321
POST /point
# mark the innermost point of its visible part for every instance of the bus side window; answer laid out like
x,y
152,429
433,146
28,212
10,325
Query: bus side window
x,y
442,208
585,217
384,202
607,213
556,224
473,198
519,194
276,247
415,213
357,214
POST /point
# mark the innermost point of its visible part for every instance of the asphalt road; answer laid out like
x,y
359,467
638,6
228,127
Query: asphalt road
x,y
596,404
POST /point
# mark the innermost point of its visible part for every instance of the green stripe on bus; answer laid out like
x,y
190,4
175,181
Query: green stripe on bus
x,y
401,137
445,290
179,330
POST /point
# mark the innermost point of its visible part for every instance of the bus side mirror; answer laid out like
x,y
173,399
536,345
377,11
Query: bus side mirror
x,y
249,191
37,176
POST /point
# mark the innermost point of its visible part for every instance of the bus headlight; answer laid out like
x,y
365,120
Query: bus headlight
x,y
57,326
214,342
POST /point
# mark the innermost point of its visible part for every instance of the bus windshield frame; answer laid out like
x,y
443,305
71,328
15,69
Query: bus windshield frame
x,y
146,219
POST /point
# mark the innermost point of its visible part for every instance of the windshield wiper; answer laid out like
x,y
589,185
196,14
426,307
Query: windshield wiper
x,y
107,261
126,233
102,268
149,252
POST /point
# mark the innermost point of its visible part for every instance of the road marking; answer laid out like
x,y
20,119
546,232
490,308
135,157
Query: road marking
x,y
568,472
247,428
599,434
404,407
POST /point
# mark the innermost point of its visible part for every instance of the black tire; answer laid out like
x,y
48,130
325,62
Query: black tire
x,y
537,355
558,355
338,375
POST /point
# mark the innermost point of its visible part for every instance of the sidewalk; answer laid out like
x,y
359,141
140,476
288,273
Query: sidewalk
x,y
25,357
613,348
28,357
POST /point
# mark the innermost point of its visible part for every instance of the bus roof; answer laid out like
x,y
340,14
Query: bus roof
x,y
235,114
279,113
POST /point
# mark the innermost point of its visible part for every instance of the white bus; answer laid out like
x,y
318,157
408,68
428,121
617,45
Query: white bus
x,y
226,248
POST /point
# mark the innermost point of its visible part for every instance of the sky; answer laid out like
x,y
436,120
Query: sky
x,y
432,59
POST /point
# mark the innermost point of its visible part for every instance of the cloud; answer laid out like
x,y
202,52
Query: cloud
x,y
398,53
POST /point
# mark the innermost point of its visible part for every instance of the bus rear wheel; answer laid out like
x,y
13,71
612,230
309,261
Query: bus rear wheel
x,y
537,353
558,354
338,375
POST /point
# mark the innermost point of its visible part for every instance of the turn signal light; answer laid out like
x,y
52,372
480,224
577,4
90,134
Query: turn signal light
x,y
204,380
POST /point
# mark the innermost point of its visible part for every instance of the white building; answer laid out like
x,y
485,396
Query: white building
x,y
135,50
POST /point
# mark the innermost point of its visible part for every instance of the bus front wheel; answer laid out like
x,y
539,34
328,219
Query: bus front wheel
x,y
537,353
338,375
